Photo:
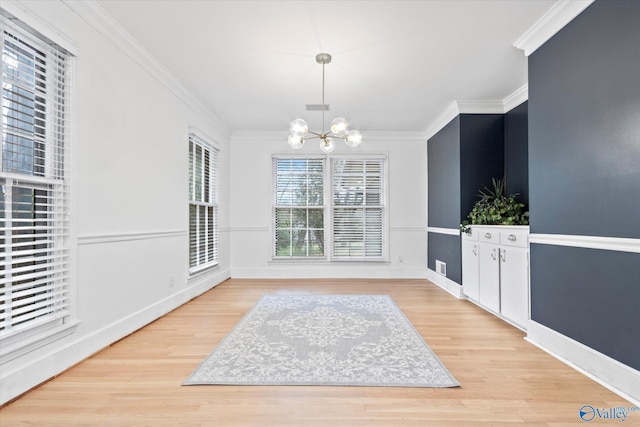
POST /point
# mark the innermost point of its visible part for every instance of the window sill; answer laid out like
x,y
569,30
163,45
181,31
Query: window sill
x,y
196,271
326,261
299,260
36,340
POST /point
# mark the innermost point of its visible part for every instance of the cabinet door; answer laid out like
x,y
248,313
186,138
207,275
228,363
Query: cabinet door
x,y
470,269
489,276
514,284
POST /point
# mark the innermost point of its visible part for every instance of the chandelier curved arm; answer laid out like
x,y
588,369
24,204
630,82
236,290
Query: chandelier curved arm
x,y
315,136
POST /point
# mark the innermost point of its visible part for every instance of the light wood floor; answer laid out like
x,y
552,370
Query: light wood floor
x,y
137,381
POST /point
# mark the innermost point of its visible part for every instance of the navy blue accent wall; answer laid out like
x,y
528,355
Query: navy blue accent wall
x,y
590,295
443,155
481,156
584,177
446,248
516,152
462,158
584,118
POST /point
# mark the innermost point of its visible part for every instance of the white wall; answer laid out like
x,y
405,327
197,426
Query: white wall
x,y
129,192
251,181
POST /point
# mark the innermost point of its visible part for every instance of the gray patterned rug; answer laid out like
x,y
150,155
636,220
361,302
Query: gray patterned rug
x,y
349,340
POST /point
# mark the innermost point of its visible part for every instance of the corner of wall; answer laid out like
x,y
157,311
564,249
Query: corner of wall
x,y
447,284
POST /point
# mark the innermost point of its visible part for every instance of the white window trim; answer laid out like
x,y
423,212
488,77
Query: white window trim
x,y
207,143
328,210
39,335
324,206
385,208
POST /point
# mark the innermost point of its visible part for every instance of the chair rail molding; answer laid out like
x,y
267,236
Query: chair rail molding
x,y
92,239
621,244
440,230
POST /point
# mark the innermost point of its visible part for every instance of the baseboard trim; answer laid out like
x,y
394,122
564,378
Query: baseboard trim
x,y
19,380
322,271
615,376
445,283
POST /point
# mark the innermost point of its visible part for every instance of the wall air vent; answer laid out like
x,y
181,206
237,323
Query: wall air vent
x,y
441,268
317,107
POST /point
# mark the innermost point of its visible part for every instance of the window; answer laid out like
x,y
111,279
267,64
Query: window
x,y
357,210
203,204
298,207
34,196
356,216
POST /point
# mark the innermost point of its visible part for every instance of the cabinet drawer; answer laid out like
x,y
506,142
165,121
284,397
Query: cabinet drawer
x,y
488,235
471,235
518,238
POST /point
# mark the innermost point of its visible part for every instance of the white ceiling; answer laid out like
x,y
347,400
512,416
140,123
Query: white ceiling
x,y
397,65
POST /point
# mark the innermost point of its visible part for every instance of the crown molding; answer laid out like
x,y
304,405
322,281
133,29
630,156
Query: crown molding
x,y
443,119
24,14
560,14
519,96
468,106
486,106
109,28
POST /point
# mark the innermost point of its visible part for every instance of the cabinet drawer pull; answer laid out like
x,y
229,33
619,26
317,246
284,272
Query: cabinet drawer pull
x,y
487,235
512,237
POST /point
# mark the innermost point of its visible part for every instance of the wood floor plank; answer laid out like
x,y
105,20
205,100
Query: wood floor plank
x,y
137,381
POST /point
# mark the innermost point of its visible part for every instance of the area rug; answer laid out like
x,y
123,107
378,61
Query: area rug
x,y
337,340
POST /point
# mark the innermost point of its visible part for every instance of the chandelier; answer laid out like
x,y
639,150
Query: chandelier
x,y
339,128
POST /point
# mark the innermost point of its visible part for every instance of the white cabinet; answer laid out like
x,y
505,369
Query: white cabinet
x,y
495,270
514,275
470,271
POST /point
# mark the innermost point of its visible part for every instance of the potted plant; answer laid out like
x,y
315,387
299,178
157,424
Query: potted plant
x,y
495,207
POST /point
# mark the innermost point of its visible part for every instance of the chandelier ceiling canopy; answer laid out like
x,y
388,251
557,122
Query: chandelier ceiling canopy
x,y
339,128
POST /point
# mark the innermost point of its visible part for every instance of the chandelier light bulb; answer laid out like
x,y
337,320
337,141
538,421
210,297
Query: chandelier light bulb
x,y
339,126
353,139
327,145
299,128
295,141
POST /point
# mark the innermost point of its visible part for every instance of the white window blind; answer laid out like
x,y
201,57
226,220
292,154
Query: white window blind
x,y
203,204
34,208
358,209
298,207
